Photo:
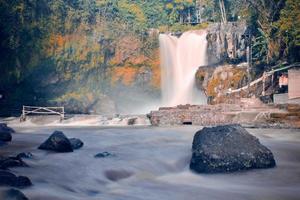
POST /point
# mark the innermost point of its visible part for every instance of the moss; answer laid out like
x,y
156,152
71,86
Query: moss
x,y
219,85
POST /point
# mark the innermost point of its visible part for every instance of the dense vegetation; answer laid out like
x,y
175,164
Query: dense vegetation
x,y
48,47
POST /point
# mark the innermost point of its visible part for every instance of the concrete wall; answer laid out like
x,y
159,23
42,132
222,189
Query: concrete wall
x,y
284,99
294,84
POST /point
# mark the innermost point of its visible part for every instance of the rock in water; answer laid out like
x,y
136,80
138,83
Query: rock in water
x,y
4,127
26,155
57,142
13,194
8,162
2,143
228,148
9,179
131,121
5,133
104,155
76,143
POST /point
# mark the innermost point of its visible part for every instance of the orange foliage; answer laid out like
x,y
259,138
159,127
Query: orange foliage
x,y
60,41
156,72
124,74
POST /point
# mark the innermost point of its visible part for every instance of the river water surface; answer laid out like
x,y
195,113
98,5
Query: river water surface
x,y
151,164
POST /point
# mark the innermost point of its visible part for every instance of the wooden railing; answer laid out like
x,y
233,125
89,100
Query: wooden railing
x,y
27,110
263,79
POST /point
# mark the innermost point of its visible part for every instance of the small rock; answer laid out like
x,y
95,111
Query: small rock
x,y
14,194
131,121
116,175
9,179
8,162
104,155
76,143
5,133
4,127
2,143
57,142
27,155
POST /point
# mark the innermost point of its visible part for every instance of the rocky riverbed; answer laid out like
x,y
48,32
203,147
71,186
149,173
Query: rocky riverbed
x,y
147,163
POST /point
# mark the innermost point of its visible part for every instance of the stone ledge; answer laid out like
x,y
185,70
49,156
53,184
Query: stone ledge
x,y
222,114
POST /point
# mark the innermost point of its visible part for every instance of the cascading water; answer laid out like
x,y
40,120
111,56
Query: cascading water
x,y
180,59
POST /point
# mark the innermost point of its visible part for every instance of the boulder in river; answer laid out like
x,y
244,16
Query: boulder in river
x,y
228,148
10,179
57,142
76,143
5,133
13,194
8,162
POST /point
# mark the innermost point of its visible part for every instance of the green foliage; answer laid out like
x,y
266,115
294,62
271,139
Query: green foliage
x,y
289,28
260,47
77,38
178,27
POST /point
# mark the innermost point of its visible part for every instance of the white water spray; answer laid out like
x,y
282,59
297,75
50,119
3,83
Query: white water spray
x,y
180,59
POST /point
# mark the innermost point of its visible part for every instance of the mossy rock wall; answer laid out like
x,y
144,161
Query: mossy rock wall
x,y
215,81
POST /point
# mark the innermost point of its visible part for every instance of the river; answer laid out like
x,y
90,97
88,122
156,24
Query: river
x,y
150,163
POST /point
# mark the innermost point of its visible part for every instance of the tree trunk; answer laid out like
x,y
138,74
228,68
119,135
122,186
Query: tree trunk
x,y
223,11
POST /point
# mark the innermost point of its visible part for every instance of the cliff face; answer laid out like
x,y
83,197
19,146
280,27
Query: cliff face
x,y
227,67
129,75
227,42
85,55
90,71
215,81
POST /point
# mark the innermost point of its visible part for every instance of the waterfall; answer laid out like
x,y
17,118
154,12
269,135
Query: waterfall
x,y
180,59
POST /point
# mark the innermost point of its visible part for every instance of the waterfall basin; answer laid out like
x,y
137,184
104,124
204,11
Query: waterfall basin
x,y
149,163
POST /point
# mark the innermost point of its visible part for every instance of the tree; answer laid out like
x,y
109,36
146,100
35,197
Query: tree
x,y
289,29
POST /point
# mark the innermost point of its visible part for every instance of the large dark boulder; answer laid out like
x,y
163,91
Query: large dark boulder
x,y
5,133
9,179
14,194
228,148
76,143
57,142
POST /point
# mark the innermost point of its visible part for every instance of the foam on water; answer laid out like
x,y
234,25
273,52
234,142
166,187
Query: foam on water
x,y
80,120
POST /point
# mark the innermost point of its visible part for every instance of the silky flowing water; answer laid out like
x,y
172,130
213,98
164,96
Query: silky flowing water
x,y
150,164
180,59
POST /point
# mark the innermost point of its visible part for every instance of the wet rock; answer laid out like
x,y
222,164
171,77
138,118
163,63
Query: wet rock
x,y
4,127
14,194
116,175
2,143
5,133
26,155
76,143
8,162
10,179
5,136
228,148
104,155
131,121
57,142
